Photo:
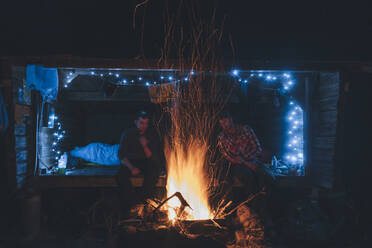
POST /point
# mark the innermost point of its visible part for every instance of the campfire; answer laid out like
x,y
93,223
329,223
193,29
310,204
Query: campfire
x,y
186,175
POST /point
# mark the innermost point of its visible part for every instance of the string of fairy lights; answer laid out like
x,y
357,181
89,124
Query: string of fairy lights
x,y
58,135
295,144
285,79
137,80
294,154
283,82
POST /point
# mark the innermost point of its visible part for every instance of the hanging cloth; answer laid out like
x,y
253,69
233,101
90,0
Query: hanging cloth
x,y
44,80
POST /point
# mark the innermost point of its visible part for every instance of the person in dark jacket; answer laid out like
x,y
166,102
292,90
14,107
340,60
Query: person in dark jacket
x,y
139,153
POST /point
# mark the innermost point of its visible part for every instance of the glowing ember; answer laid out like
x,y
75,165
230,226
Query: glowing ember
x,y
186,175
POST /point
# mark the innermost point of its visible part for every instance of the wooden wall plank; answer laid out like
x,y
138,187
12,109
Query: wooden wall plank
x,y
325,114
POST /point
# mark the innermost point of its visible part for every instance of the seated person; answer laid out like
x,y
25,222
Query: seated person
x,y
240,147
139,153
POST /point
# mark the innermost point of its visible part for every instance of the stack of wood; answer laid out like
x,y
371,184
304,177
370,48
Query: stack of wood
x,y
244,230
251,233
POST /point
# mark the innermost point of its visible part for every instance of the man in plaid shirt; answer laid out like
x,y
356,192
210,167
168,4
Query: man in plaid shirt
x,y
240,147
238,144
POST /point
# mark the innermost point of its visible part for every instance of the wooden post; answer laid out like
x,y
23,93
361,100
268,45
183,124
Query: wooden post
x,y
307,128
9,139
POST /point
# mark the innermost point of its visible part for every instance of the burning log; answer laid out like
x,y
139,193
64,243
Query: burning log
x,y
184,203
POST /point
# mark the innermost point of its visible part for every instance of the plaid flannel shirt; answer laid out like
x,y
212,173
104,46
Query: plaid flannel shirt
x,y
241,143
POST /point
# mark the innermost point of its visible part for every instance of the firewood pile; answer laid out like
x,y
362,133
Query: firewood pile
x,y
251,231
240,227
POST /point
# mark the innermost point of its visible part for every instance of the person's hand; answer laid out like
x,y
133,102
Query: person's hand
x,y
135,171
143,141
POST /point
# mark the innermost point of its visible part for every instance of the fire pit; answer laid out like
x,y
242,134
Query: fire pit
x,y
238,227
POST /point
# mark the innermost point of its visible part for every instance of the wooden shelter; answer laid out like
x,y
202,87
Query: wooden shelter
x,y
327,85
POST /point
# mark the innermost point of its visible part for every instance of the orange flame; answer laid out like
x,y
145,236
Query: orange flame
x,y
186,175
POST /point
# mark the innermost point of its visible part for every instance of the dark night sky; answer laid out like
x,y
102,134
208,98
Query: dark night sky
x,y
263,29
